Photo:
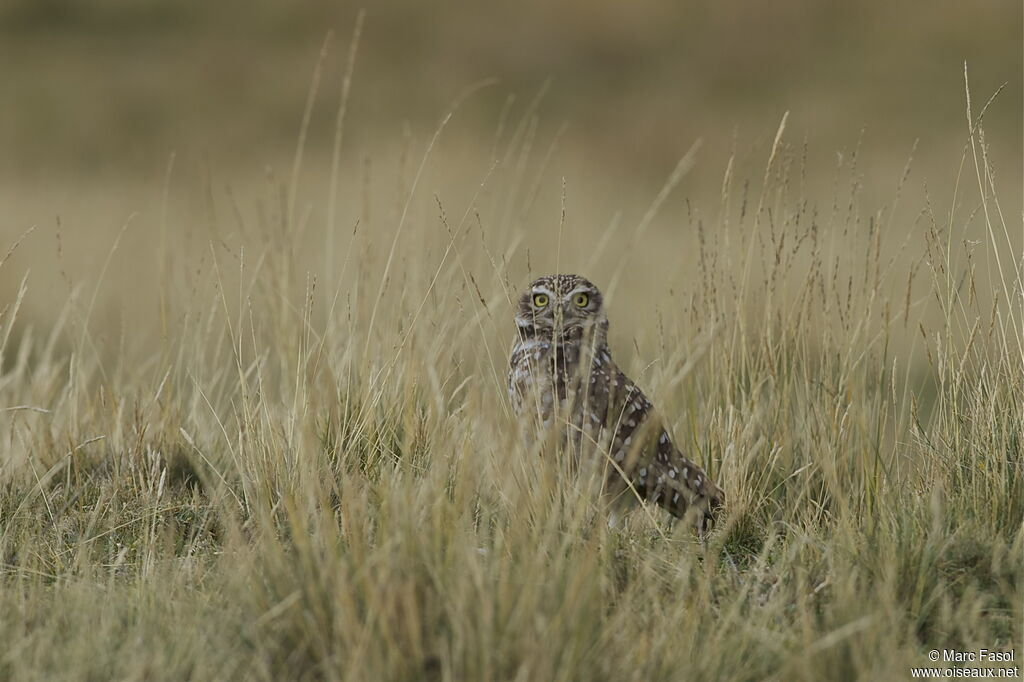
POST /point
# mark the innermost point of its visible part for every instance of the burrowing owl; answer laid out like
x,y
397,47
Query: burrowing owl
x,y
562,376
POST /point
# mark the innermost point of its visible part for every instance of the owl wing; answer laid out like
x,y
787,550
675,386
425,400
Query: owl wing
x,y
649,461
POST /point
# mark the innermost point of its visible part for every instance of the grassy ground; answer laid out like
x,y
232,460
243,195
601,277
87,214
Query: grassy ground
x,y
287,453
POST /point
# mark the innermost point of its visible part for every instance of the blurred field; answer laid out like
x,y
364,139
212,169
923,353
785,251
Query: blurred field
x,y
112,85
252,385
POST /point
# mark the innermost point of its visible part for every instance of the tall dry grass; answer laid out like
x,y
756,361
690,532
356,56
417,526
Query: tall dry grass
x,y
293,458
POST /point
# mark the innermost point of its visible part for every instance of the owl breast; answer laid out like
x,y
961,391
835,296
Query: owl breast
x,y
529,386
560,386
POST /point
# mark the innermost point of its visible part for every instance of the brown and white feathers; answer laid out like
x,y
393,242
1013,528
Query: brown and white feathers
x,y
562,376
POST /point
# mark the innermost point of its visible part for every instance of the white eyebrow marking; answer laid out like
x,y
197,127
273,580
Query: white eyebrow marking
x,y
582,289
543,290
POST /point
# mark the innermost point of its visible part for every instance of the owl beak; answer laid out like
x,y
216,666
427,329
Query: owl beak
x,y
559,316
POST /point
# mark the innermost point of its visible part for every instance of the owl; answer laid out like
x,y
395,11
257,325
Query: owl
x,y
562,377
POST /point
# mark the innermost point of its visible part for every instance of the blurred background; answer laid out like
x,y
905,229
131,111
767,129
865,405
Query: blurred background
x,y
114,86
99,95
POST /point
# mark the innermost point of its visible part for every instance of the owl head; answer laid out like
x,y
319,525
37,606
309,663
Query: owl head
x,y
562,307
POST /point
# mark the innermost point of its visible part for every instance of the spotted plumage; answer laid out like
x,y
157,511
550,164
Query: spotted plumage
x,y
562,376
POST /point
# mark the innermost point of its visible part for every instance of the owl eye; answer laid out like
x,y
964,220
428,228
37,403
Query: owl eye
x,y
540,300
581,300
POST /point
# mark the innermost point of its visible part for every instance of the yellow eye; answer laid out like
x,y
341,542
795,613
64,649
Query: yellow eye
x,y
581,300
540,300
